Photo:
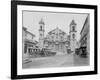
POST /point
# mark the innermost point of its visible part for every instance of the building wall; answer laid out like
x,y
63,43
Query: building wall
x,y
88,36
73,45
29,36
56,40
85,35
41,39
28,42
88,43
24,56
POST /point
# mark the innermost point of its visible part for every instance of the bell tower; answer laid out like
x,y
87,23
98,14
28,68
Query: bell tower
x,y
72,35
41,33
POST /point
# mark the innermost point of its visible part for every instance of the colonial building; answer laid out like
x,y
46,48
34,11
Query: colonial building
x,y
72,35
56,40
28,42
85,35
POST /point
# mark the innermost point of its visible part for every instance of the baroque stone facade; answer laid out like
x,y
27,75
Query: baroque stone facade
x,y
57,40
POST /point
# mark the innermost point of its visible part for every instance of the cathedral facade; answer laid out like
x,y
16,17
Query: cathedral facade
x,y
57,40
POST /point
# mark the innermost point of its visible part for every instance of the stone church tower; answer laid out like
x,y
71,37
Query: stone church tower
x,y
73,35
41,33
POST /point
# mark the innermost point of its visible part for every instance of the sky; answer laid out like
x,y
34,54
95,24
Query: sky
x,y
52,20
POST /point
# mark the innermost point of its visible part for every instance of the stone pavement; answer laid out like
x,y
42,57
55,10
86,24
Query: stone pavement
x,y
57,61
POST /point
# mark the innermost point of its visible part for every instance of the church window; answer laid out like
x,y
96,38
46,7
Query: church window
x,y
73,36
40,27
73,28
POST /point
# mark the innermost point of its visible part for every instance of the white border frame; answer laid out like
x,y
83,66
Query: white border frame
x,y
21,71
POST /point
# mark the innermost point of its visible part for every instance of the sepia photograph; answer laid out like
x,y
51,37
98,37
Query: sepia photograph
x,y
55,39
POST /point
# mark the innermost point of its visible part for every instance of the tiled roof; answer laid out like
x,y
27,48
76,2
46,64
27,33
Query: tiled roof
x,y
25,29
